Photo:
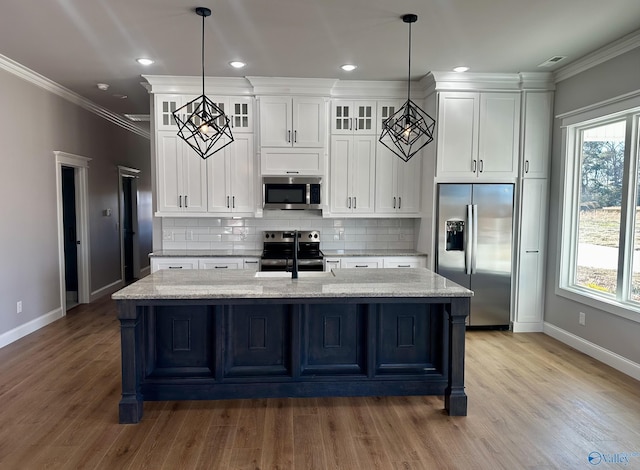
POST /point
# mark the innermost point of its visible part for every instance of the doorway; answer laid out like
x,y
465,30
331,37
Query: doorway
x,y
73,228
129,241
69,224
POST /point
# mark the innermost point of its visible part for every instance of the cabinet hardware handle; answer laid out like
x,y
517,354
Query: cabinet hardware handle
x,y
227,202
289,136
332,261
404,265
295,136
293,172
350,124
180,203
361,266
354,202
348,203
221,267
394,202
185,201
532,251
175,267
399,202
481,166
233,201
526,166
474,166
250,262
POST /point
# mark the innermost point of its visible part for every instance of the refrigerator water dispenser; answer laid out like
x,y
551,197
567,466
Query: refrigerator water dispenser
x,y
455,235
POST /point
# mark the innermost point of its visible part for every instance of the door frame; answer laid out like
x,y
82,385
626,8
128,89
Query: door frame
x,y
127,172
81,175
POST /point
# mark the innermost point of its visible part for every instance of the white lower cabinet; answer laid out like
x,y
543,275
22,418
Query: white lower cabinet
x,y
404,262
173,263
221,263
331,263
360,262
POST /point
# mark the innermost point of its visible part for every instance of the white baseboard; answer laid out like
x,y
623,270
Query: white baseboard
x,y
145,271
29,327
610,358
106,290
521,327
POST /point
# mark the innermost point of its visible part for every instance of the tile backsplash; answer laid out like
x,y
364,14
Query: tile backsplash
x,y
246,234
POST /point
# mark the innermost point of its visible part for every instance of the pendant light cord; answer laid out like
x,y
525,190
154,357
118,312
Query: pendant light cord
x,y
203,17
409,77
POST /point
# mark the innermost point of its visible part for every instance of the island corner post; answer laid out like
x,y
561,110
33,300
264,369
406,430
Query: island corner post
x,y
286,329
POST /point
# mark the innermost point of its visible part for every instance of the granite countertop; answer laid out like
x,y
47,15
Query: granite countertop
x,y
206,254
339,283
372,252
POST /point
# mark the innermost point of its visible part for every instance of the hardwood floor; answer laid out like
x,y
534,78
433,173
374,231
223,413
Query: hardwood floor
x,y
534,403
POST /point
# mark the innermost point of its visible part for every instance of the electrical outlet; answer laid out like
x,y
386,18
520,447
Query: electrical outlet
x,y
19,306
582,319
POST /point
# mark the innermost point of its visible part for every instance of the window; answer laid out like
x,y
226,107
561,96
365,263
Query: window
x,y
600,227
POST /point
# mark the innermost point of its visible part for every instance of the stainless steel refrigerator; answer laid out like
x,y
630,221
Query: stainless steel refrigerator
x,y
474,246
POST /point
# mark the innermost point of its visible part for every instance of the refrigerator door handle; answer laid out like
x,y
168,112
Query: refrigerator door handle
x,y
474,247
469,240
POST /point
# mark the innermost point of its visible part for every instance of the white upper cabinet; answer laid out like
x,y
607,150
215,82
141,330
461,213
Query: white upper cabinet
x,y
397,183
231,178
385,109
538,108
353,117
292,121
182,180
352,174
478,135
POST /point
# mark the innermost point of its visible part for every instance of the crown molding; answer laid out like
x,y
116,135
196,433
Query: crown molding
x,y
292,86
43,82
453,81
191,85
608,52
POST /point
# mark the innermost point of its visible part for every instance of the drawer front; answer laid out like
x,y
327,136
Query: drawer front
x,y
173,263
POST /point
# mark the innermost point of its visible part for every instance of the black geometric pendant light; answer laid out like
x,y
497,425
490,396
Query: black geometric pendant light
x,y
410,128
201,123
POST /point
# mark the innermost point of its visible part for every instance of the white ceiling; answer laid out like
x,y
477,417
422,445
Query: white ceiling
x,y
79,43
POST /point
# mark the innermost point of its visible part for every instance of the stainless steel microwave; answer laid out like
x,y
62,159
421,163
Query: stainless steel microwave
x,y
295,192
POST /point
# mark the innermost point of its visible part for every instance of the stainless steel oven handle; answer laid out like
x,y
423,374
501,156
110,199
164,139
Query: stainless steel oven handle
x,y
475,238
468,240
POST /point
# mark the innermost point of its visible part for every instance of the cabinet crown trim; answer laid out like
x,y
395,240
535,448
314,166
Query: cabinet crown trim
x,y
172,84
292,86
452,81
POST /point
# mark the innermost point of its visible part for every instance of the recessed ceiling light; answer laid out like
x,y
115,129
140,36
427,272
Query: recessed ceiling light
x,y
236,64
460,69
144,61
348,67
103,86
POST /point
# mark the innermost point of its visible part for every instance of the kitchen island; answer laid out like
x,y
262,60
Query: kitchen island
x,y
202,334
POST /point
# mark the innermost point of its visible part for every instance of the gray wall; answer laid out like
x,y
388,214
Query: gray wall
x,y
613,78
33,123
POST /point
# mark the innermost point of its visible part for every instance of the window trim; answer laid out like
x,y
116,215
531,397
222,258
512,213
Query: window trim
x,y
571,125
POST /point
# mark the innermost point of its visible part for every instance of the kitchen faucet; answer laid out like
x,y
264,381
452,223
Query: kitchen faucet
x,y
294,268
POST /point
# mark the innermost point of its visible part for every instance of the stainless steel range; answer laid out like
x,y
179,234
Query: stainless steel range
x,y
278,251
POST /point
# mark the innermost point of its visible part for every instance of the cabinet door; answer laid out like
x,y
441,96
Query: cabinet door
x,y
386,109
331,263
341,169
308,122
404,262
537,134
364,174
169,154
194,181
530,295
218,181
241,174
275,121
241,114
220,263
457,134
341,117
173,263
386,180
251,264
499,134
409,177
292,161
364,117
165,105
361,263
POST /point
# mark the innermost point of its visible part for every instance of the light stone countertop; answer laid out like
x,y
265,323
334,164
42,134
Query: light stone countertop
x,y
194,284
206,254
372,252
